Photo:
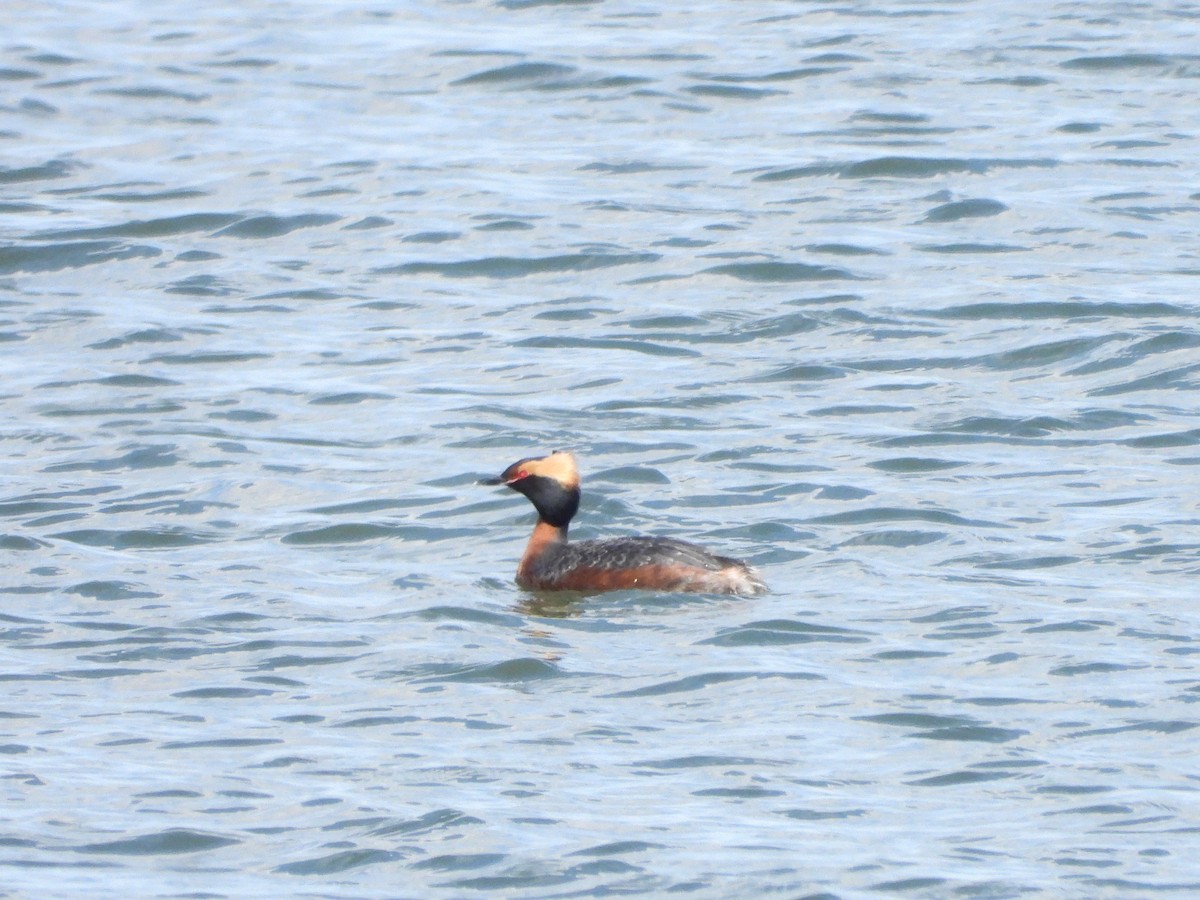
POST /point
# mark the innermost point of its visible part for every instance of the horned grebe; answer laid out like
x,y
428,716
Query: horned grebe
x,y
551,563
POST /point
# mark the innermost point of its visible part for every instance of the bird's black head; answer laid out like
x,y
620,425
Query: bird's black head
x,y
550,482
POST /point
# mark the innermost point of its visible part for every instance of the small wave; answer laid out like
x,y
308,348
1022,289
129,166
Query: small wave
x,y
151,457
55,168
1156,726
223,693
208,357
1185,378
357,532
1119,62
467,614
505,223
437,820
973,248
1020,81
292,661
530,4
802,373
20,542
135,539
374,505
640,346
147,228
1031,562
1068,309
275,226
873,409
204,286
431,237
617,848
912,464
38,505
782,272
541,76
706,761
152,92
221,743
700,682
460,862
633,167
136,381
895,538
517,73
375,721
731,91
70,255
341,861
986,734
902,167
104,672
349,398
520,267
846,250
139,409
776,632
170,841
790,74
1093,668
739,793
872,515
1040,426
140,336
959,778
367,223
917,720
510,671
157,196
112,590
814,815
965,209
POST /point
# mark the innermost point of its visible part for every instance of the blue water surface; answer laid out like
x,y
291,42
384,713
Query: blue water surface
x,y
898,302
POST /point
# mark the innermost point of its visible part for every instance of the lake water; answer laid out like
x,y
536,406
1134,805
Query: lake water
x,y
899,302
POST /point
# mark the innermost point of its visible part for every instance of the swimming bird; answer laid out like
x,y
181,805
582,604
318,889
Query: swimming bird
x,y
551,563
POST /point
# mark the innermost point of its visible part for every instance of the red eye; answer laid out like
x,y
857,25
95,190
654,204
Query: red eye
x,y
521,474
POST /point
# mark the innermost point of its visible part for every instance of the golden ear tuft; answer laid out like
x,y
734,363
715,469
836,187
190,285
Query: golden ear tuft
x,y
559,465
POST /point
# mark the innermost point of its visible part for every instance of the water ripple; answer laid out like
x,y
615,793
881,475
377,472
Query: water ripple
x,y
783,272
69,255
767,272
171,841
520,267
